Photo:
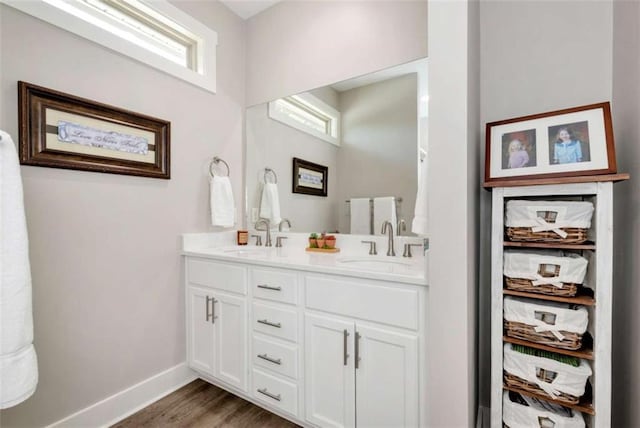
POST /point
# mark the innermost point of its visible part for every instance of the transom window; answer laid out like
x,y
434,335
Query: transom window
x,y
308,114
154,32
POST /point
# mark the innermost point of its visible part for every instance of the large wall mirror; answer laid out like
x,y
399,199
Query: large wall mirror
x,y
362,140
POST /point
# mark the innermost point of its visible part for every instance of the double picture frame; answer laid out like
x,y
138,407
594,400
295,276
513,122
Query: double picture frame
x,y
563,143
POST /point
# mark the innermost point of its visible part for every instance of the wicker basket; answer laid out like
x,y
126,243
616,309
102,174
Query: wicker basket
x,y
575,235
531,412
526,285
517,330
550,219
516,382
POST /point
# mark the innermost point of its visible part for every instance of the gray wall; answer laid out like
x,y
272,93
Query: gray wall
x,y
626,296
379,151
536,57
298,45
107,291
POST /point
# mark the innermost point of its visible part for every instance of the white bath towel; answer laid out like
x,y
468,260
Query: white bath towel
x,y
18,363
419,223
270,204
384,209
223,211
360,216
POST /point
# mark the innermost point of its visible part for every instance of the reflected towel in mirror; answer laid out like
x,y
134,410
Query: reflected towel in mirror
x,y
360,210
419,223
270,204
222,204
384,209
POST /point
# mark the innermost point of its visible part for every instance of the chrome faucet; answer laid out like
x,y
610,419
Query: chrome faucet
x,y
268,227
387,226
283,221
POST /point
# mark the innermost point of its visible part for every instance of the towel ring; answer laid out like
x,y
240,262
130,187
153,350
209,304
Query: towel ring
x,y
267,171
217,160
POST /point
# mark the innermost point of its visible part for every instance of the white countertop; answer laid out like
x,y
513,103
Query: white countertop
x,y
353,259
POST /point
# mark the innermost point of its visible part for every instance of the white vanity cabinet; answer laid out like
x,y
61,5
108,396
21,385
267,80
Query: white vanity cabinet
x,y
361,369
217,320
321,349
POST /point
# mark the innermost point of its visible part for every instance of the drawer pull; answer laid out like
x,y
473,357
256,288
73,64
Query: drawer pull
x,y
268,287
271,360
270,395
208,313
345,356
269,323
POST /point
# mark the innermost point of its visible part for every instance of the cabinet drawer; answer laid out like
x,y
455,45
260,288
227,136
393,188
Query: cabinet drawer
x,y
274,356
275,392
223,276
378,303
274,321
274,285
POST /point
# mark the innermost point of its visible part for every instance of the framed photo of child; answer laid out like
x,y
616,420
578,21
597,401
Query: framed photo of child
x,y
571,142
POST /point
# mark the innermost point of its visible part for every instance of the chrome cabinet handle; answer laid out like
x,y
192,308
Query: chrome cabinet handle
x,y
268,287
269,323
277,361
358,350
209,314
345,356
213,310
268,394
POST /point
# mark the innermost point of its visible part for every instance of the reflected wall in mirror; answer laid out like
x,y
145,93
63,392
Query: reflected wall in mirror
x,y
380,120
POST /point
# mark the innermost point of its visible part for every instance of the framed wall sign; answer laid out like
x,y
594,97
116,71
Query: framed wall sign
x,y
563,143
309,178
64,131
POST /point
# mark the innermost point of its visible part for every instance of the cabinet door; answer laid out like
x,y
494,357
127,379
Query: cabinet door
x,y
231,331
386,378
329,368
201,331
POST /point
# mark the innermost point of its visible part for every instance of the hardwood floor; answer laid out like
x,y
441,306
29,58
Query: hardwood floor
x,y
200,404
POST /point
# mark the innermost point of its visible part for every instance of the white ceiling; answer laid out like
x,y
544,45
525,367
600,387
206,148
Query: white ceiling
x,y
245,9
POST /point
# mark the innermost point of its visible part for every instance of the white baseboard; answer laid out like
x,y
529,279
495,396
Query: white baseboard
x,y
117,407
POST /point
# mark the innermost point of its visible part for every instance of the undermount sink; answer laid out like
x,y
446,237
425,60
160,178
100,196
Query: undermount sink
x,y
379,264
246,251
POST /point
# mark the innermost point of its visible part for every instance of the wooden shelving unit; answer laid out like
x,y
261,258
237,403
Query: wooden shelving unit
x,y
585,352
596,404
556,246
580,299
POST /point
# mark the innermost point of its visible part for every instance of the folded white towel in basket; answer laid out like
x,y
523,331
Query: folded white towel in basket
x,y
222,204
18,363
270,204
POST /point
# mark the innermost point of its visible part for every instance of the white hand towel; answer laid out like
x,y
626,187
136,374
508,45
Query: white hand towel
x,y
222,205
360,216
384,209
419,223
270,204
18,362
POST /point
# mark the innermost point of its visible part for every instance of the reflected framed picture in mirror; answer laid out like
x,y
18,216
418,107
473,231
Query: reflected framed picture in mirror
x,y
309,178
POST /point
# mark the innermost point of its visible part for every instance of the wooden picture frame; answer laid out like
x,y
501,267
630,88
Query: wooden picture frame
x,y
564,143
59,130
309,178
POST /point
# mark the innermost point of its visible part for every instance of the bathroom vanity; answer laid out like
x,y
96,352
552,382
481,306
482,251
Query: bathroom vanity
x,y
325,340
